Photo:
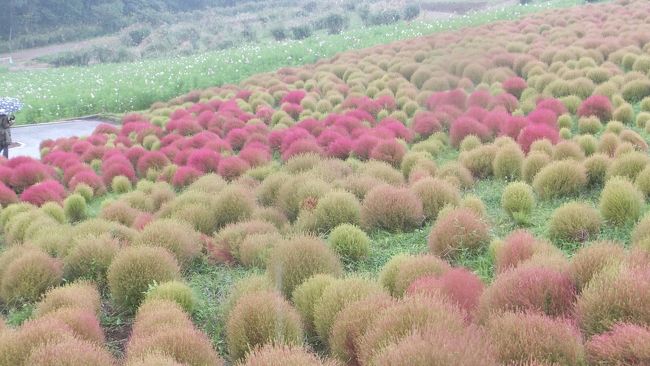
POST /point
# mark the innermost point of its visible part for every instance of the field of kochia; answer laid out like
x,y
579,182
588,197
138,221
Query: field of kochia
x,y
474,197
54,94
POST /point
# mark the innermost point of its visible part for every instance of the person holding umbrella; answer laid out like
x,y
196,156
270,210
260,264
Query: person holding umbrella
x,y
8,106
5,132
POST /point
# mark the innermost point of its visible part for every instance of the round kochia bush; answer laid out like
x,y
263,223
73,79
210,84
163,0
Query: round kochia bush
x,y
349,242
559,179
518,200
307,295
529,288
80,295
335,208
177,237
283,355
616,294
334,299
508,162
575,222
435,194
174,291
590,260
28,276
292,262
621,201
90,258
401,270
521,337
391,208
624,344
134,269
458,230
517,247
261,318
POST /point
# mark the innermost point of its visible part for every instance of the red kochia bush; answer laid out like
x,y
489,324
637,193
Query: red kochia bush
x,y
151,160
364,145
543,116
302,146
535,132
115,169
185,176
255,155
391,208
459,285
529,288
7,196
596,105
390,151
89,178
514,85
204,160
41,193
625,344
517,247
27,174
232,167
425,123
464,126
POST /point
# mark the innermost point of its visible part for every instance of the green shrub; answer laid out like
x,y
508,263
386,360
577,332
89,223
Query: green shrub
x,y
588,144
574,222
401,270
435,194
565,121
232,204
75,208
179,238
559,179
55,211
628,165
508,162
642,181
533,163
336,208
292,262
642,120
479,160
474,203
414,158
90,258
121,184
594,258
261,318
624,113
636,90
597,166
518,200
621,201
350,243
134,269
335,297
175,291
84,191
28,276
255,248
307,295
470,142
568,150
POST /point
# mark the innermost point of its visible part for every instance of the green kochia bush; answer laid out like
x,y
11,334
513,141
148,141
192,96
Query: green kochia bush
x,y
28,276
174,291
561,178
177,237
307,295
292,262
435,194
350,242
335,208
134,269
261,318
401,270
621,201
75,208
518,200
574,221
508,162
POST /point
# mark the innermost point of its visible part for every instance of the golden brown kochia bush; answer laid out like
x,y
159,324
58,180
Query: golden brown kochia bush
x,y
335,297
83,323
17,345
90,258
574,222
352,322
398,274
162,328
616,294
177,237
594,258
70,352
411,315
293,261
284,355
435,194
479,160
307,295
518,200
533,163
508,162
392,209
79,295
231,236
176,291
456,173
261,318
521,337
628,165
335,208
254,249
560,179
438,345
152,359
28,276
621,201
456,231
597,166
134,269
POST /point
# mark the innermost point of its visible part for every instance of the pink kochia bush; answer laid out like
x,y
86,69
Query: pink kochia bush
x,y
48,191
596,105
625,344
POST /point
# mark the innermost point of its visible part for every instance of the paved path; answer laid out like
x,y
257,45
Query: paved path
x,y
31,136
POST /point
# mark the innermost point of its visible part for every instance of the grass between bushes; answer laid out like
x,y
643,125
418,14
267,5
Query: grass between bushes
x,y
55,94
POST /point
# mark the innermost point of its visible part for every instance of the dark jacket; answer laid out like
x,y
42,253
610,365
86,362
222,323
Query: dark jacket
x,y
5,130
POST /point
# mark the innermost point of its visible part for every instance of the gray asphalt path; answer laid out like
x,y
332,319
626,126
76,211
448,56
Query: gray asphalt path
x,y
31,136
